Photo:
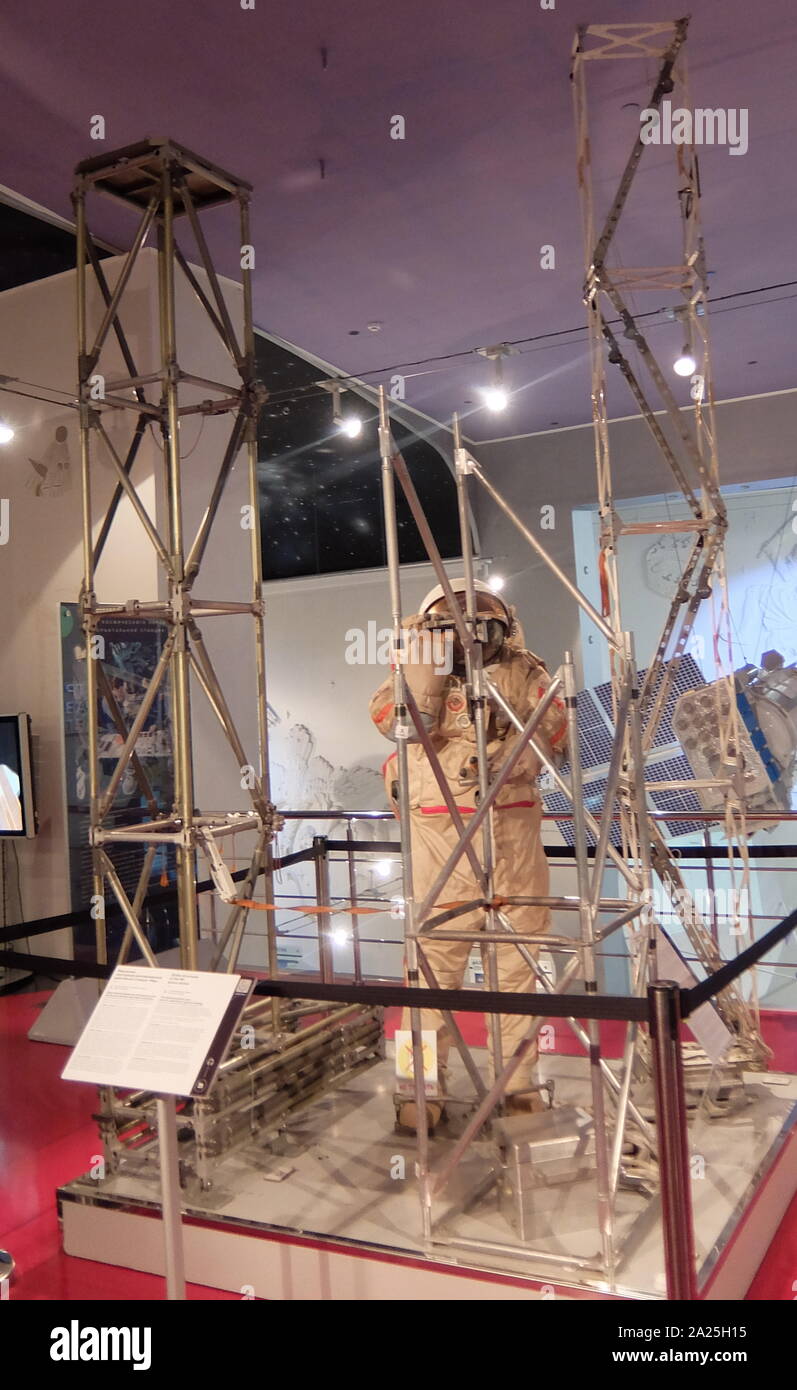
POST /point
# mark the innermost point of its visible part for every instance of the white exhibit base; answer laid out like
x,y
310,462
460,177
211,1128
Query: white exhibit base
x,y
324,1219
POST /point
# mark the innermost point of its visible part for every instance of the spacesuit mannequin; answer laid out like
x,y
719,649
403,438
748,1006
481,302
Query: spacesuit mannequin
x,y
520,866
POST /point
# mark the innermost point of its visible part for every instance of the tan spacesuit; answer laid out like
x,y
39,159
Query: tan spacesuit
x,y
520,866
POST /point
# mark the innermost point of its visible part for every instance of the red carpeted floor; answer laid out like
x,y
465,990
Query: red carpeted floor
x,y
47,1137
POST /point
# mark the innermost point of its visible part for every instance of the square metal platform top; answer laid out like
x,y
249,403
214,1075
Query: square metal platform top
x,y
131,175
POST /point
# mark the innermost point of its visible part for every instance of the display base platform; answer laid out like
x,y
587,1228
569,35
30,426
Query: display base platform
x,y
332,1210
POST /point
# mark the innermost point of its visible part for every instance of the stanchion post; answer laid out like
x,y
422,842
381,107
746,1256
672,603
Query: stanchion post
x,y
325,959
170,1199
676,1192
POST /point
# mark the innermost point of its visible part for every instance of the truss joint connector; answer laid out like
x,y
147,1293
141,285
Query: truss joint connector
x,y
463,463
255,395
181,606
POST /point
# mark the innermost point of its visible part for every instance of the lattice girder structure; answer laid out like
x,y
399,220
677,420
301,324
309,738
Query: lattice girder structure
x,y
160,181
690,454
619,1115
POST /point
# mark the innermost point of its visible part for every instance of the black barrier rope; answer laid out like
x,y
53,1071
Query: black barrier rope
x,y
691,999
606,1006
623,1007
55,965
471,1001
158,897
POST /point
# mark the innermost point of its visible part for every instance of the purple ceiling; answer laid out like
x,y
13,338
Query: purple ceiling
x,y
436,236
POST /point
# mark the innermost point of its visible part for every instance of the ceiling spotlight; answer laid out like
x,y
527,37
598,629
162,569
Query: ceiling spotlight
x,y
496,396
6,433
496,583
685,364
383,868
340,936
350,425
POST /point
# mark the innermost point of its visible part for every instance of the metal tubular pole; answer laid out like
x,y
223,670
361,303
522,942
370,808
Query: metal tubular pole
x,y
199,292
88,597
210,270
170,1198
605,1213
453,1027
561,784
181,687
231,925
325,956
135,762
445,791
195,554
141,890
126,753
474,677
485,804
612,778
640,800
355,930
124,903
107,521
528,535
497,1089
121,284
134,500
676,1192
251,385
405,823
255,869
203,668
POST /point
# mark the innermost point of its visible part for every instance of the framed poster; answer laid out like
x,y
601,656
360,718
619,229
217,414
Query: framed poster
x,y
129,653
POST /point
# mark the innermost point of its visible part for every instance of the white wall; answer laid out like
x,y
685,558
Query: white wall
x,y
557,469
41,563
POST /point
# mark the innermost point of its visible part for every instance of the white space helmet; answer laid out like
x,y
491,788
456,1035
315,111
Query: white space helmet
x,y
489,604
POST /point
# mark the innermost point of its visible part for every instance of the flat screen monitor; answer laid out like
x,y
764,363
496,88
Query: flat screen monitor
x,y
17,812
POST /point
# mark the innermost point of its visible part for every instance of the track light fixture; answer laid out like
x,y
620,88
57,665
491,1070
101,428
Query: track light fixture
x,y
350,425
495,396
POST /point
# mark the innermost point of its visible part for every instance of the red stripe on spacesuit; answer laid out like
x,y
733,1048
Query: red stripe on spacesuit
x,y
382,712
557,737
388,759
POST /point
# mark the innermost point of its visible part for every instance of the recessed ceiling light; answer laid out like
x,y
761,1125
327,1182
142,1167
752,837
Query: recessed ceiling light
x,y
375,326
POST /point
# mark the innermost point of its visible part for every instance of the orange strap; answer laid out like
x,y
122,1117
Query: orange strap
x,y
314,908
603,576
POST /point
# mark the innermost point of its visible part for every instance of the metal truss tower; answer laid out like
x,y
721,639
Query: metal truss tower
x,y
625,838
159,182
688,450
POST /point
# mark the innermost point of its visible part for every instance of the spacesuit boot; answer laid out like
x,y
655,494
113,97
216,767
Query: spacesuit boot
x,y
407,1110
528,1102
407,1113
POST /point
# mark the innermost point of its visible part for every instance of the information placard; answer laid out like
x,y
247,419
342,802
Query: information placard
x,y
159,1030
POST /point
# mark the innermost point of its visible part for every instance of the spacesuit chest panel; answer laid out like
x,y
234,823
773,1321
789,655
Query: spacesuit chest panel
x,y
455,721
